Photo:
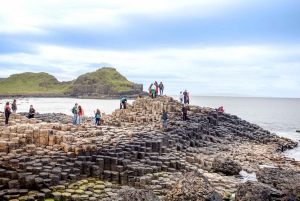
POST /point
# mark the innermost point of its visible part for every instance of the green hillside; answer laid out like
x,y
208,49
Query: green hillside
x,y
44,83
104,76
32,83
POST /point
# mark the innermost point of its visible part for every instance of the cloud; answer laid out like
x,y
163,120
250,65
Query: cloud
x,y
208,46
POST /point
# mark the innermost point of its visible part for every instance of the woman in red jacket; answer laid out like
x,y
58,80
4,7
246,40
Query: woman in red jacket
x,y
80,115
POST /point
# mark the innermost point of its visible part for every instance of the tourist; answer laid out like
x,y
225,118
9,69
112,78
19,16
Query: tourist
x,y
80,115
153,90
165,118
75,113
150,89
123,103
221,109
161,89
184,112
156,89
31,112
14,106
7,112
181,97
139,97
188,98
97,117
184,96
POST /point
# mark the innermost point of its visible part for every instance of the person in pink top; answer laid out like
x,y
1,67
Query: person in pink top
x,y
188,98
80,115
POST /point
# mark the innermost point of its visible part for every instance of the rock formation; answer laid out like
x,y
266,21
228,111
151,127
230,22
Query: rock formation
x,y
130,149
193,187
226,166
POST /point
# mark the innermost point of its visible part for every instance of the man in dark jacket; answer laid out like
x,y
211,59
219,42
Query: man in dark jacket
x,y
184,112
184,96
161,89
31,112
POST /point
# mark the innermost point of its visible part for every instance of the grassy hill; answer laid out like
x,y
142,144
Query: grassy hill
x,y
32,83
104,76
44,83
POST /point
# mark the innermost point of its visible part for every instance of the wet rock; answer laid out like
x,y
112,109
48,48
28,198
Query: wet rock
x,y
194,186
226,166
250,191
281,179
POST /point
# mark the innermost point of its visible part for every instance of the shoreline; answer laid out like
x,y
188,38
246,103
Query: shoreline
x,y
130,149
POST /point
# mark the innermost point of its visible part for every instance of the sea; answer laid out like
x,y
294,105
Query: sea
x,y
278,115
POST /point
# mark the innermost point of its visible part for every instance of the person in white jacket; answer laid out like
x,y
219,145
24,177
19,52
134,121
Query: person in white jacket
x,y
181,97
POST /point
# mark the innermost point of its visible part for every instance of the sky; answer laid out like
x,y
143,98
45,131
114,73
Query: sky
x,y
208,47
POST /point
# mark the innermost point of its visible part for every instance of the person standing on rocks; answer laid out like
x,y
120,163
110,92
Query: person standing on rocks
x,y
31,112
184,112
165,119
161,89
188,98
184,96
7,112
181,97
153,90
156,89
97,117
123,103
14,106
150,90
75,113
80,115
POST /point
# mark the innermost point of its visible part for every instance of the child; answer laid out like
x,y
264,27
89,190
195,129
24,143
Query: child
x,y
97,117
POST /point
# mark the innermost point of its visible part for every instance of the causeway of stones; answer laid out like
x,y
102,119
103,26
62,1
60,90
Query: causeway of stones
x,y
129,145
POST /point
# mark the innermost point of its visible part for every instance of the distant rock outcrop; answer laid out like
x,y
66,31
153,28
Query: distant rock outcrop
x,y
226,166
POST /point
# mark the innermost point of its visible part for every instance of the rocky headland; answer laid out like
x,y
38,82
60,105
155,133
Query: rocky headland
x,y
130,157
104,83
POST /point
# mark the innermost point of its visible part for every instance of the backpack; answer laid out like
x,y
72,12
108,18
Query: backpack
x,y
73,110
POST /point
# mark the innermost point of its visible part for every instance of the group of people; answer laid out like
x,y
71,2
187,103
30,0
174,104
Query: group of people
x,y
154,88
13,109
78,114
184,97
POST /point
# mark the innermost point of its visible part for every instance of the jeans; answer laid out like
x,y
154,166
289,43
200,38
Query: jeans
x,y
165,123
184,98
181,100
156,93
161,92
184,116
79,120
97,121
6,118
75,119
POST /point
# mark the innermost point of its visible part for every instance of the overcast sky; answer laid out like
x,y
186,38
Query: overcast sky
x,y
204,46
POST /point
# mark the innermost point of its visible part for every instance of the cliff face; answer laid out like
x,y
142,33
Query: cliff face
x,y
104,82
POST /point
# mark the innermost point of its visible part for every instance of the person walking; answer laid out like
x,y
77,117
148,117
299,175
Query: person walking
x,y
184,96
75,113
80,115
184,112
123,103
7,112
165,118
181,97
188,98
31,112
97,117
161,89
14,106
